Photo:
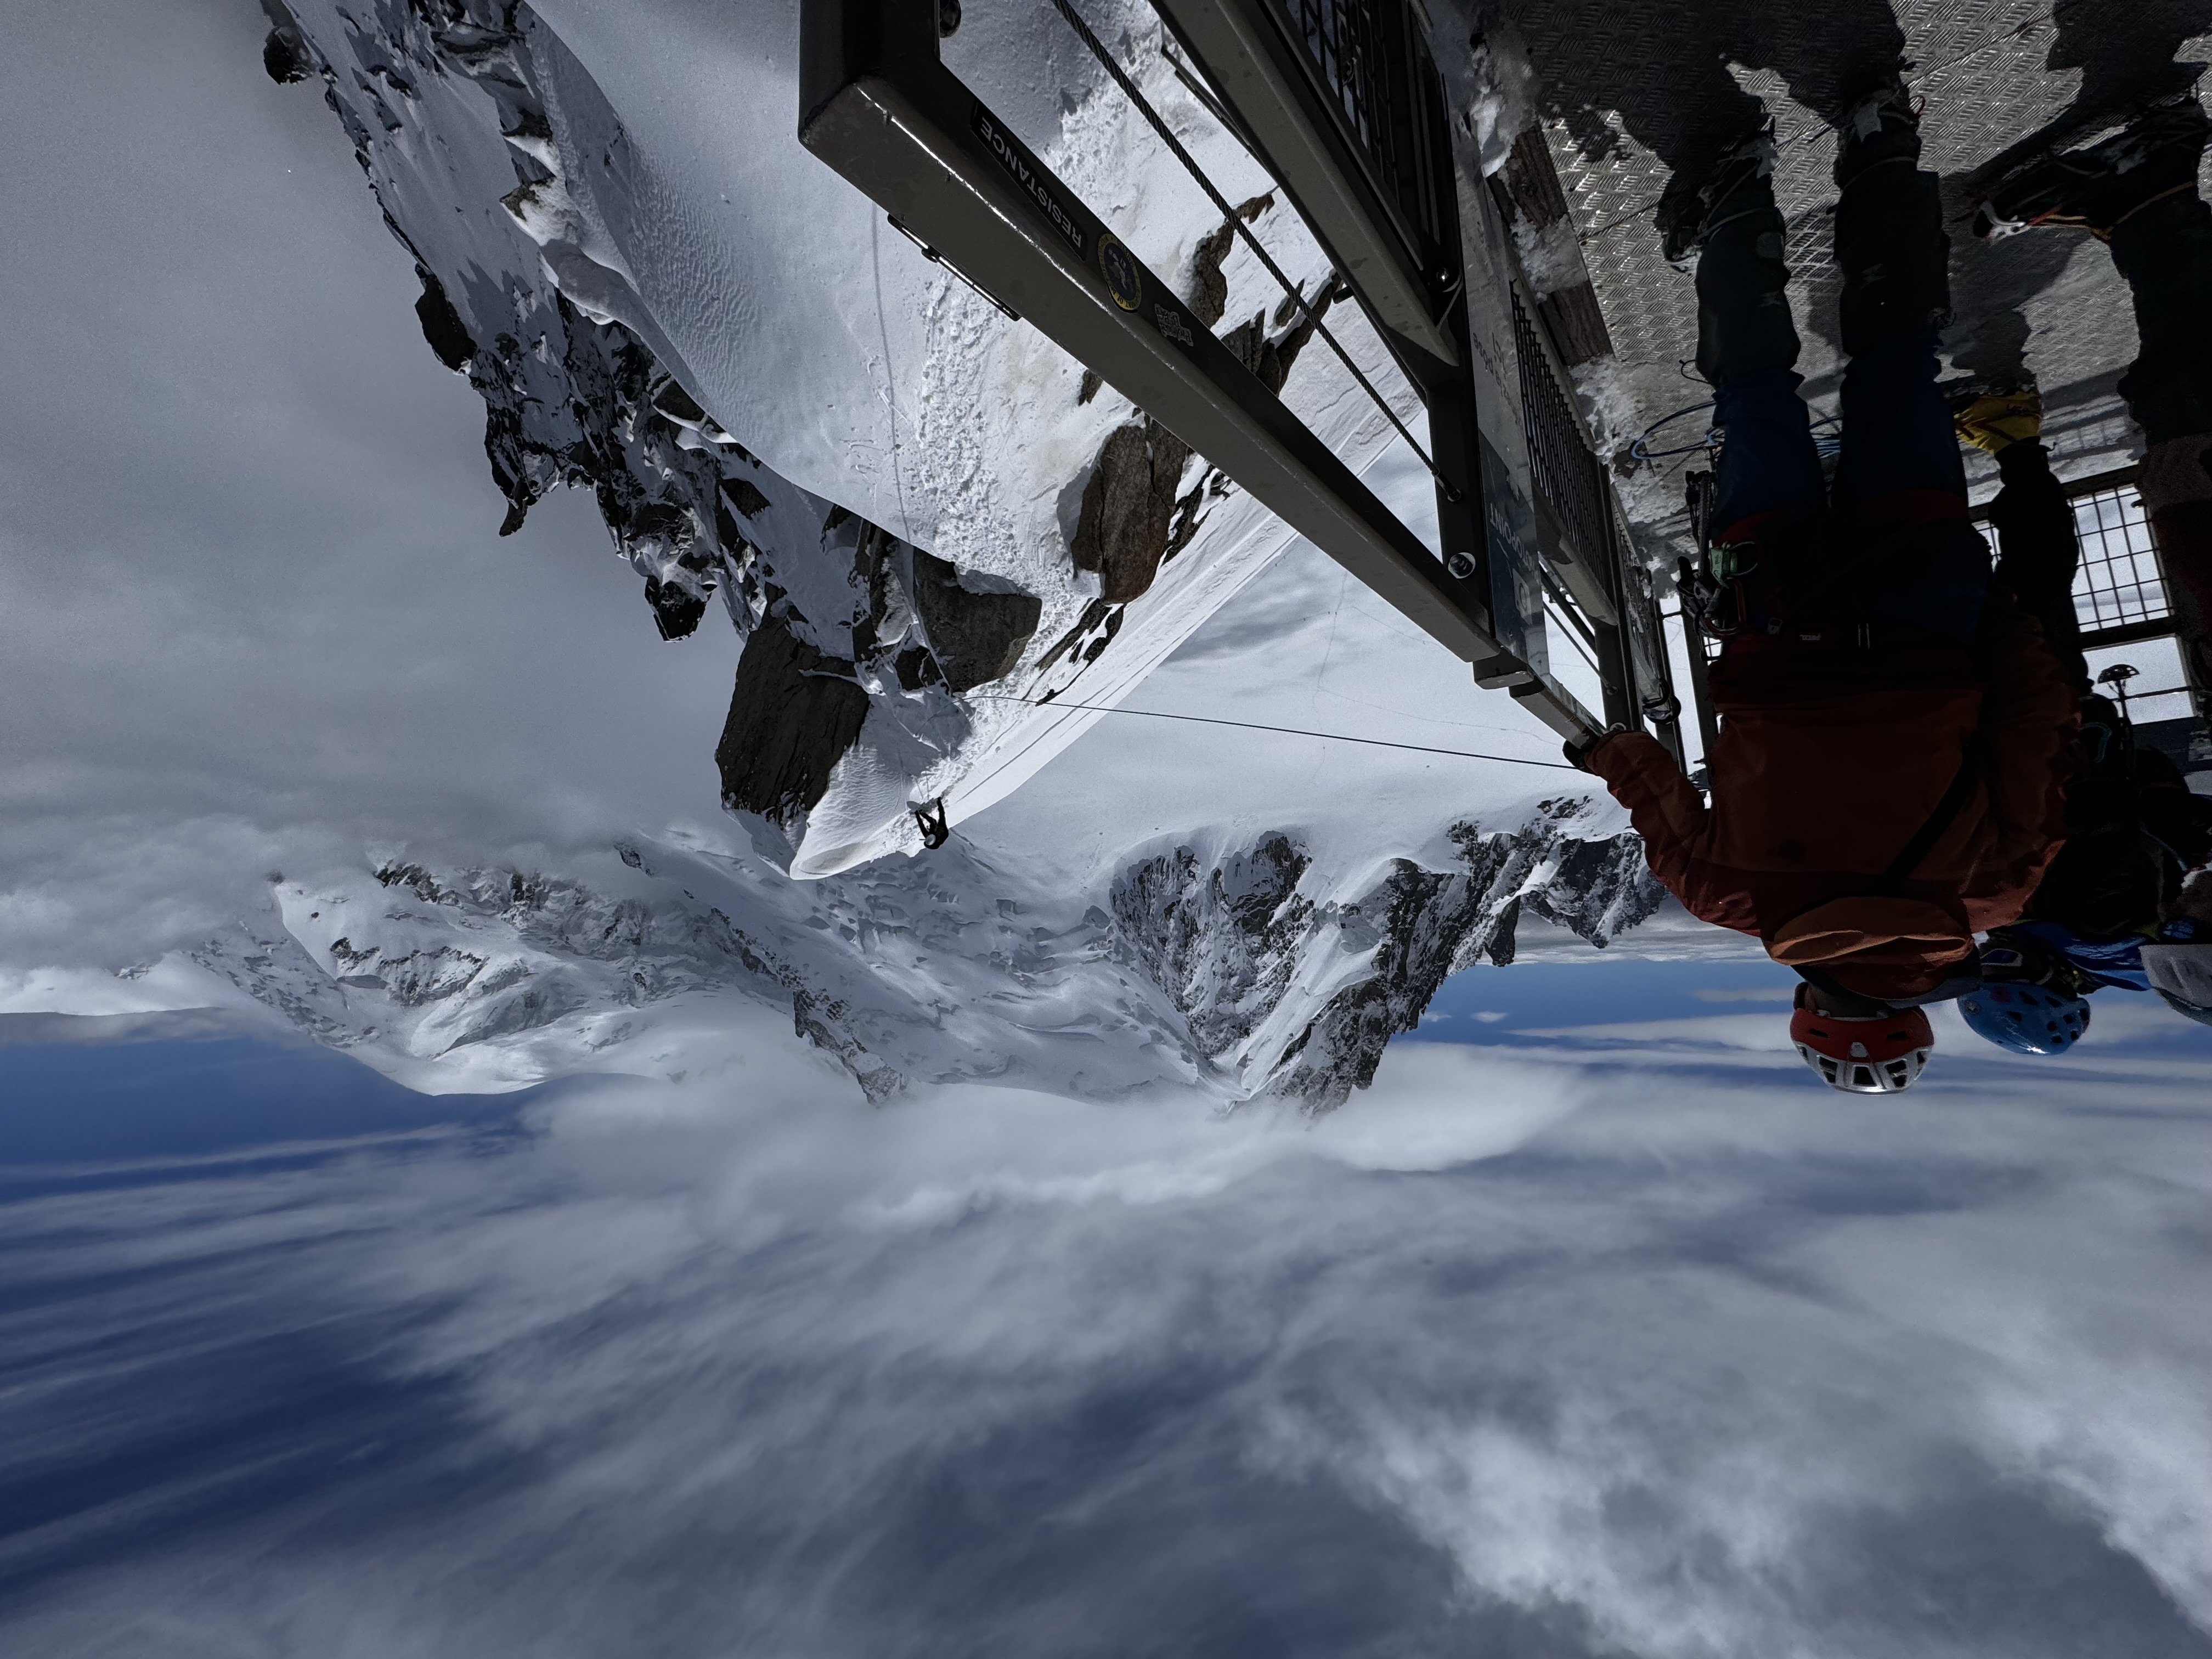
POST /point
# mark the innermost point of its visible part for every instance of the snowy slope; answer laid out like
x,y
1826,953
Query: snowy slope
x,y
1241,970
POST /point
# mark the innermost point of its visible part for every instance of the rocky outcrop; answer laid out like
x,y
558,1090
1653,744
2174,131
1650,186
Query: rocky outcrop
x,y
1428,925
1136,513
1128,508
975,636
1221,939
1301,995
597,272
793,713
580,391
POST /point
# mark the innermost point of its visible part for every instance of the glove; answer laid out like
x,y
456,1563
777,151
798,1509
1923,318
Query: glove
x,y
1578,749
2000,420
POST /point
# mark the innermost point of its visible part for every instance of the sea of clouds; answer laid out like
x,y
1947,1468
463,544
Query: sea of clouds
x,y
1526,1351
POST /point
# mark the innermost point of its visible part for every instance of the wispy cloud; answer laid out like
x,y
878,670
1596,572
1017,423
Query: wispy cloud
x,y
1512,1352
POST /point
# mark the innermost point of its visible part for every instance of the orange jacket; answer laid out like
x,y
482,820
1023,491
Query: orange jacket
x,y
1830,762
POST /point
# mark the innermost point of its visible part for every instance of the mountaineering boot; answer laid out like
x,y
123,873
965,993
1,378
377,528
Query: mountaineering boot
x,y
1744,324
1687,219
1889,224
2101,187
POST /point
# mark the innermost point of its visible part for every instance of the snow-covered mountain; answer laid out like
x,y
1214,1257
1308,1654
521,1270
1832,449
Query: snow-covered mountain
x,y
927,520
923,520
1240,970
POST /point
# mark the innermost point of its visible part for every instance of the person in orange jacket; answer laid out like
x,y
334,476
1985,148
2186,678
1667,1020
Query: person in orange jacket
x,y
1895,732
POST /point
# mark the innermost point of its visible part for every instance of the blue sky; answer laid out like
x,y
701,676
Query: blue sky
x,y
1545,995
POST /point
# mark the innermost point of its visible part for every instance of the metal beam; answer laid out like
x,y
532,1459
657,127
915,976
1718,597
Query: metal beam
x,y
1345,110
1239,47
2154,627
879,108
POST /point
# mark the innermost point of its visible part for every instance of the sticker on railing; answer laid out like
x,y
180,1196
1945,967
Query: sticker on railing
x,y
1125,278
1030,177
1173,323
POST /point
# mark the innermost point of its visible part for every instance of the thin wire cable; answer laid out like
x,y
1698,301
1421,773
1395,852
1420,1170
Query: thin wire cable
x,y
1288,730
1236,222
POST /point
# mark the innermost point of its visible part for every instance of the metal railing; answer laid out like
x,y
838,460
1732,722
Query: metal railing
x,y
2117,591
1564,470
2119,595
1371,56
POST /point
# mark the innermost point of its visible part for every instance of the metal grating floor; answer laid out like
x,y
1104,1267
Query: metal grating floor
x,y
1635,90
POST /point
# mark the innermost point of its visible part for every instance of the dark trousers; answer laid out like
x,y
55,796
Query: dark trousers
x,y
1900,464
2039,551
2165,251
1898,435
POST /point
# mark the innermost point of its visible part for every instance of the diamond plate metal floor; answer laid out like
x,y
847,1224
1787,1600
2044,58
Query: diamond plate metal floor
x,y
1637,95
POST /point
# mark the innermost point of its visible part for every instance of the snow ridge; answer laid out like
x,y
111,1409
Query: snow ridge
x,y
1296,996
1246,974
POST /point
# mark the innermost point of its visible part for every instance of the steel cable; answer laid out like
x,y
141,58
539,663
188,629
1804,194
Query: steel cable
x,y
1288,730
1236,222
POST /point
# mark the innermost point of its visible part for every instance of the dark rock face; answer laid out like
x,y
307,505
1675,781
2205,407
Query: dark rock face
x,y
1132,519
620,427
974,638
746,496
1596,890
1270,357
794,712
1422,916
285,54
448,336
568,400
675,611
1224,940
1221,941
1208,289
1128,507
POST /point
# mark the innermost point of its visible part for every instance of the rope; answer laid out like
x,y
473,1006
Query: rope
x,y
1641,448
1237,222
1288,730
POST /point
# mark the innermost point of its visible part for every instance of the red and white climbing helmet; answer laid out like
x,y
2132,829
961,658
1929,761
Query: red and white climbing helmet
x,y
1862,1056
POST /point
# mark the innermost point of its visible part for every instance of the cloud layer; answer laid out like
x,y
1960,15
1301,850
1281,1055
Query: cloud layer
x,y
1521,1352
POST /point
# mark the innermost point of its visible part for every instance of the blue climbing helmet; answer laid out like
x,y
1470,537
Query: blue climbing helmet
x,y
2025,1017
